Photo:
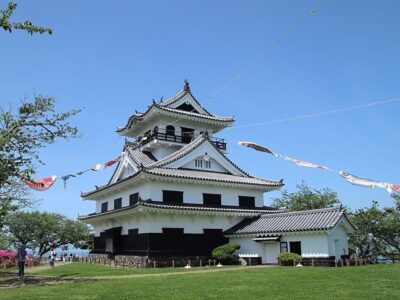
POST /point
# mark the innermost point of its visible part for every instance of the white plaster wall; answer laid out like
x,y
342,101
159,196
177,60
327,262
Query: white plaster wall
x,y
149,222
143,190
163,151
191,194
341,247
312,245
194,193
248,246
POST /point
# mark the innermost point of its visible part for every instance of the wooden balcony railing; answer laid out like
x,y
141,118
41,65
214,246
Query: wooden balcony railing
x,y
170,136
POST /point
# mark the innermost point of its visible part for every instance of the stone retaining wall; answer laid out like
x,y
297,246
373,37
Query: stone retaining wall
x,y
132,261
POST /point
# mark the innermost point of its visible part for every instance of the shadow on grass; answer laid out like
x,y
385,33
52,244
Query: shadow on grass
x,y
11,280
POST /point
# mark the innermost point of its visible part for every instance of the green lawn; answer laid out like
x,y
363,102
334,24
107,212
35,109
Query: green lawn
x,y
85,270
365,282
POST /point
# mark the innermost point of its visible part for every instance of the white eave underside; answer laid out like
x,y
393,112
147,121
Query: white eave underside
x,y
172,175
170,209
154,113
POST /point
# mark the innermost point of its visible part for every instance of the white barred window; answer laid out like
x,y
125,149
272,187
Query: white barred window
x,y
198,163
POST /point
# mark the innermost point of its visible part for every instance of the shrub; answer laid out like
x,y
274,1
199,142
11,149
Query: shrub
x,y
7,259
224,253
287,258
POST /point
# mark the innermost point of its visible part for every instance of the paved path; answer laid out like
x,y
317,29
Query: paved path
x,y
44,267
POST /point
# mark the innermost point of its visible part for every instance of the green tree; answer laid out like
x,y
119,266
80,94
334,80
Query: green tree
x,y
5,240
396,198
44,230
22,134
306,198
378,232
27,25
14,195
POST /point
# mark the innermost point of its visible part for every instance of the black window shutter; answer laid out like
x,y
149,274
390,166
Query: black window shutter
x,y
212,199
118,203
247,202
133,199
173,197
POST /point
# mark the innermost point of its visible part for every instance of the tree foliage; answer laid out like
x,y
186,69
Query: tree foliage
x,y
306,198
22,134
396,198
33,127
14,195
5,240
27,25
378,232
44,230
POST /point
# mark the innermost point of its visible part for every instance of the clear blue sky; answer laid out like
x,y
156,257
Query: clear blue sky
x,y
111,57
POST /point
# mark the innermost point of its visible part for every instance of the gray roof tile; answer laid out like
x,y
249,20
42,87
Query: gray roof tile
x,y
188,207
213,176
142,158
308,220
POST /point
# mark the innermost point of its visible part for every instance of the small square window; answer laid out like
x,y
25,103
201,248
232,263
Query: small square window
x,y
284,248
133,199
247,202
118,203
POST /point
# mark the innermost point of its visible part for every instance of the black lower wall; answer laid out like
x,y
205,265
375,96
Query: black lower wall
x,y
170,243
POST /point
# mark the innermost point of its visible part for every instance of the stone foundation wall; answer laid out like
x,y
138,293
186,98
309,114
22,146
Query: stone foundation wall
x,y
132,261
167,262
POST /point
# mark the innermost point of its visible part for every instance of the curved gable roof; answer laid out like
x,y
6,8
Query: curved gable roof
x,y
166,107
182,93
187,149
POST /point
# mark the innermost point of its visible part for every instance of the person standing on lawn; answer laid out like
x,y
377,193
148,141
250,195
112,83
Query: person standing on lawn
x,y
53,255
21,258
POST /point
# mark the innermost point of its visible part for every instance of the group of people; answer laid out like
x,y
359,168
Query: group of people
x,y
64,257
22,254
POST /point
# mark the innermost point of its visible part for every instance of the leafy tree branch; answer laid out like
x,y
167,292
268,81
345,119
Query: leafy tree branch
x,y
27,25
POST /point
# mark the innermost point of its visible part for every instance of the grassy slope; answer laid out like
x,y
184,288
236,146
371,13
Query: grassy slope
x,y
371,282
85,270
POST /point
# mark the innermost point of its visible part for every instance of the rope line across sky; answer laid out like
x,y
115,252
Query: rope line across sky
x,y
263,53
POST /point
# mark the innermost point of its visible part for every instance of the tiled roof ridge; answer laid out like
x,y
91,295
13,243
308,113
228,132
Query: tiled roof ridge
x,y
149,202
138,160
193,114
173,110
154,171
185,90
119,162
235,165
189,148
264,182
186,206
309,211
306,220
